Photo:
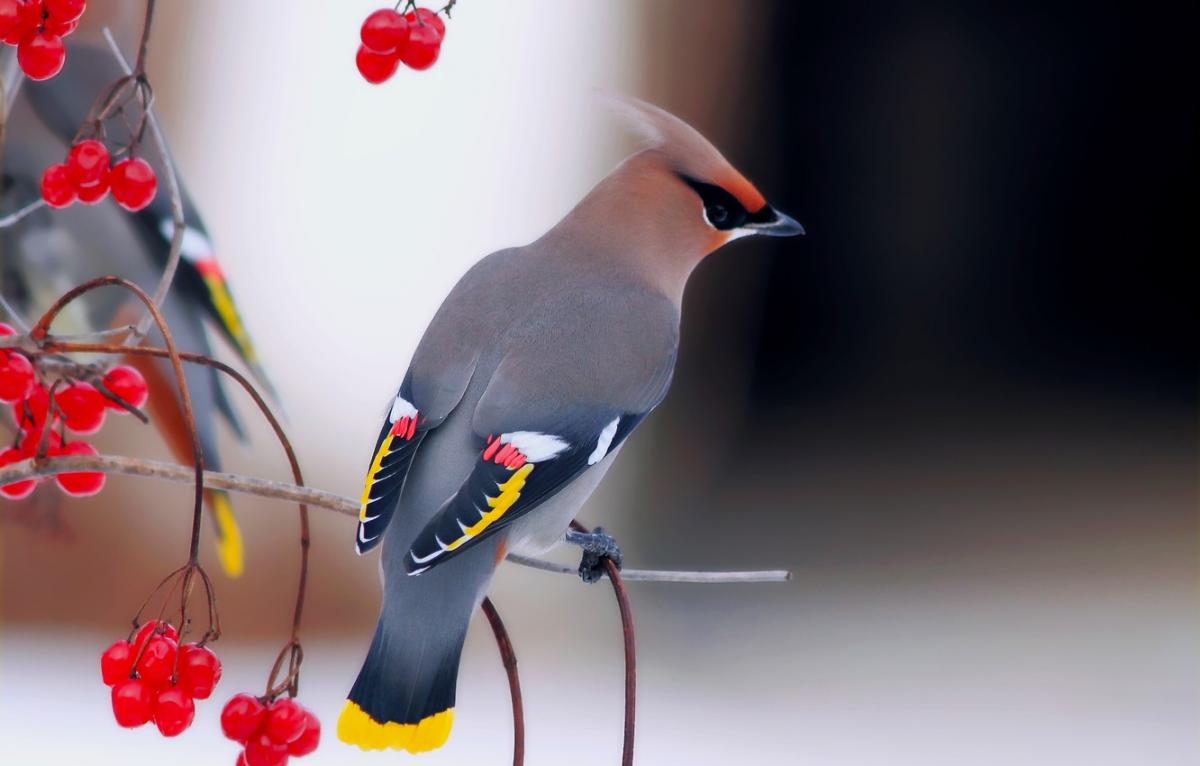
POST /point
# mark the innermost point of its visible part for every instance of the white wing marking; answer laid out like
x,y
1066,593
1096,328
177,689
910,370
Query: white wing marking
x,y
604,442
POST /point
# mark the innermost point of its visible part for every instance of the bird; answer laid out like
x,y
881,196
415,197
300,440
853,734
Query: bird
x,y
51,251
537,367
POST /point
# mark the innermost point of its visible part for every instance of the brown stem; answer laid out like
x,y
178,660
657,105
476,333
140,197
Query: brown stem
x,y
39,334
627,631
291,682
509,657
139,67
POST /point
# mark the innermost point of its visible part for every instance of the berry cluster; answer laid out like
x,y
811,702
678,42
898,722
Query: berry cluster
x,y
154,678
86,176
389,38
270,732
78,406
37,28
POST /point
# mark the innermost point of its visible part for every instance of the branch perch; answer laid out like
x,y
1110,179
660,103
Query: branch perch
x,y
319,498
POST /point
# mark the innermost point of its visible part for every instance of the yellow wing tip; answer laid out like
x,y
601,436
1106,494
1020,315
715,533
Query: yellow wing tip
x,y
356,727
376,464
229,537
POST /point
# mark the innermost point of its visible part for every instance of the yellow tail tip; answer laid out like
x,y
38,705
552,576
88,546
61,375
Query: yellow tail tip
x,y
356,727
229,536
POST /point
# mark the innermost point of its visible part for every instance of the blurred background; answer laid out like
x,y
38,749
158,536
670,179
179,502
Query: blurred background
x,y
962,410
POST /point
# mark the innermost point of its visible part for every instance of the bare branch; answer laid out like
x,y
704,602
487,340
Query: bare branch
x,y
100,336
318,498
11,312
665,575
173,255
17,215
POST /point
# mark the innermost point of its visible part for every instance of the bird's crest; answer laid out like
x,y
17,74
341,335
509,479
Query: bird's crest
x,y
683,148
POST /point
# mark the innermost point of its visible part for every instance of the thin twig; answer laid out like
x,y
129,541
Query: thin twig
x,y
664,575
319,498
628,635
17,215
508,657
160,143
100,336
116,333
144,43
11,312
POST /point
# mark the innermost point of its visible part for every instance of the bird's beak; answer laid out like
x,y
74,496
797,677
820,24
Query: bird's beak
x,y
772,223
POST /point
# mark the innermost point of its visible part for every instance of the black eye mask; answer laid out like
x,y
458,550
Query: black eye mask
x,y
721,208
724,212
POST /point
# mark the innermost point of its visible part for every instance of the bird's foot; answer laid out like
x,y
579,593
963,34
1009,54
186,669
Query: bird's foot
x,y
598,547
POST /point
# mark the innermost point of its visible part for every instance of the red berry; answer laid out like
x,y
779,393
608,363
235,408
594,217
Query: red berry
x,y
158,661
65,10
91,195
424,45
261,750
41,55
375,67
199,671
242,717
384,31
173,711
19,19
116,662
16,376
151,626
285,721
132,702
79,483
82,407
32,439
133,183
10,16
5,327
311,737
86,162
60,28
427,17
127,383
31,413
57,189
17,490
241,761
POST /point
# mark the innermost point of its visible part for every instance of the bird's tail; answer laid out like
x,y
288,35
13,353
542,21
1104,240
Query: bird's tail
x,y
403,698
229,534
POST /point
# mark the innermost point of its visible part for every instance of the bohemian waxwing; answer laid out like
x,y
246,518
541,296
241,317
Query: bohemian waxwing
x,y
53,250
534,371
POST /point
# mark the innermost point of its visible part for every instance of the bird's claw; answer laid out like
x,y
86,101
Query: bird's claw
x,y
598,546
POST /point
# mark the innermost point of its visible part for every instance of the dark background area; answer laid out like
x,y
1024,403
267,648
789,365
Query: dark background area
x,y
997,199
998,194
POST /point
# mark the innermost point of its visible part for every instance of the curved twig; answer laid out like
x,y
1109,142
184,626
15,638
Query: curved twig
x,y
509,657
627,631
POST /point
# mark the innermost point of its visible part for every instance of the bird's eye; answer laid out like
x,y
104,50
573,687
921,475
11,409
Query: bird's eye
x,y
721,209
